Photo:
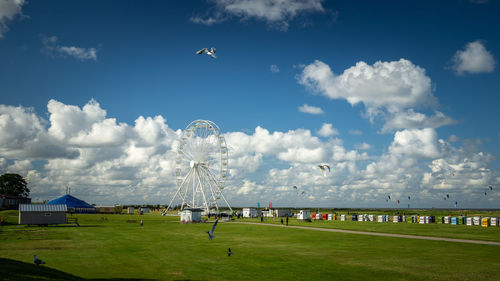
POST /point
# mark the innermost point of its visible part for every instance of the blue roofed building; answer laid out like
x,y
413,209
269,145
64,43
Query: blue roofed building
x,y
74,204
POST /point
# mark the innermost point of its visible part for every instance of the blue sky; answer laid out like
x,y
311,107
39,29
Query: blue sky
x,y
406,90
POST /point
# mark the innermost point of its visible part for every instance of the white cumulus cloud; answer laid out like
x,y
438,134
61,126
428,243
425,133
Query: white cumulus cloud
x,y
23,135
416,143
310,109
473,59
391,85
274,68
9,10
388,90
327,130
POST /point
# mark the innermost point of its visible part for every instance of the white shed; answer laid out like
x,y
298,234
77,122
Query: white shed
x,y
130,210
477,220
42,214
304,215
249,212
191,215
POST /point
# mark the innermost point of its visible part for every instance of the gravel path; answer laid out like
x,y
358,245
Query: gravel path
x,y
382,234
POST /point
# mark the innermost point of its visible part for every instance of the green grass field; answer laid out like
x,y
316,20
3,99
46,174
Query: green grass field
x,y
115,247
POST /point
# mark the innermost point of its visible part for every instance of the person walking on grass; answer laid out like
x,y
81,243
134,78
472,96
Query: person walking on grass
x,y
281,221
286,220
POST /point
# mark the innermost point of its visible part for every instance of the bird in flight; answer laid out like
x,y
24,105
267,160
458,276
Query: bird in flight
x,y
211,232
210,52
37,261
229,253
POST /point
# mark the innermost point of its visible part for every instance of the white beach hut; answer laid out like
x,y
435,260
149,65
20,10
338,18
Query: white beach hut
x,y
191,215
304,215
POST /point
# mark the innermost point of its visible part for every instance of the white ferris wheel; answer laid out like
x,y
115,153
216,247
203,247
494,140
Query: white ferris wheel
x,y
201,167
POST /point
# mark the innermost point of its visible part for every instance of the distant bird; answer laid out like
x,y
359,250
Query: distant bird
x,y
229,253
491,187
210,52
37,261
211,232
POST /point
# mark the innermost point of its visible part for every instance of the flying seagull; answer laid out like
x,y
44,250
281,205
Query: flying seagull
x,y
211,232
210,52
37,261
229,253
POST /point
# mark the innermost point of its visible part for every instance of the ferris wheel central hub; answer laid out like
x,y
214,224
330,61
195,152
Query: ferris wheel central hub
x,y
193,164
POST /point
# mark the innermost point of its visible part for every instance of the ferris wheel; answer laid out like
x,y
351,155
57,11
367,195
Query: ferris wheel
x,y
201,167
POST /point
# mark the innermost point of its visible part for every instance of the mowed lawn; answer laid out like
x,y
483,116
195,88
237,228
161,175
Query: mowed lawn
x,y
116,247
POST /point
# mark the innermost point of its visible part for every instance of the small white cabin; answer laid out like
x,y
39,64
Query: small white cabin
x,y
42,214
191,215
304,215
249,213
267,214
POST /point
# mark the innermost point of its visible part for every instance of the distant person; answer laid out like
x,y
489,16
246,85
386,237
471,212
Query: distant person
x,y
142,223
261,218
281,221
286,220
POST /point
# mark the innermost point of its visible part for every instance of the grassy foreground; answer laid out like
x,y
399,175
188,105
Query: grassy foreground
x,y
115,247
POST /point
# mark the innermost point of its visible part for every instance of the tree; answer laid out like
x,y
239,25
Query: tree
x,y
14,185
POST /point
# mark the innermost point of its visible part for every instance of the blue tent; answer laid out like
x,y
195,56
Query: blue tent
x,y
73,203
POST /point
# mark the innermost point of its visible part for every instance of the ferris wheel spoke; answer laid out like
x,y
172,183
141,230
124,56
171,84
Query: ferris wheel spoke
x,y
203,191
213,186
187,153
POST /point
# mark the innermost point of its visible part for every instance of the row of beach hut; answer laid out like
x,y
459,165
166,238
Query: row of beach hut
x,y
470,221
